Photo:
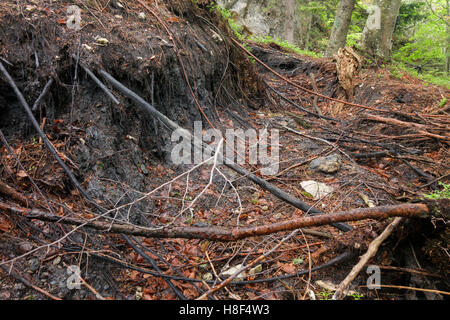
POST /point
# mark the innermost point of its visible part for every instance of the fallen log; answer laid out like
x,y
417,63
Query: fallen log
x,y
409,210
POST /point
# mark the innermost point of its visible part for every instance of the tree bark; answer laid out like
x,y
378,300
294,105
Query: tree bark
x,y
289,21
377,34
341,24
447,49
304,18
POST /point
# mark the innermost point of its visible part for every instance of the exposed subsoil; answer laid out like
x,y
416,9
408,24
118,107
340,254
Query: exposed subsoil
x,y
118,153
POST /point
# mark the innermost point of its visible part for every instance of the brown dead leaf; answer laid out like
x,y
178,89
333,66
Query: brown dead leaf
x,y
21,174
5,226
287,267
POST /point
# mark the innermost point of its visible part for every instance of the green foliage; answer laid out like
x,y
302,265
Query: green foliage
x,y
356,296
353,39
424,49
421,41
399,69
325,295
410,14
439,194
101,165
226,14
285,45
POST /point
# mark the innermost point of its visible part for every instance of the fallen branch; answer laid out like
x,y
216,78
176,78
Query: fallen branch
x,y
7,190
415,289
223,234
413,271
420,128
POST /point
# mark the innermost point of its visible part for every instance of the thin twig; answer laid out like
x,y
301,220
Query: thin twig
x,y
413,288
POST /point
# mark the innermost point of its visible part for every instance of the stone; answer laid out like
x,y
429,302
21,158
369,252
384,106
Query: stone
x,y
25,247
34,264
255,270
144,169
316,189
229,272
269,18
330,164
207,276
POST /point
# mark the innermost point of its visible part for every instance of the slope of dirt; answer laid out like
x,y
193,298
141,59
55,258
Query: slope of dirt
x,y
116,139
118,152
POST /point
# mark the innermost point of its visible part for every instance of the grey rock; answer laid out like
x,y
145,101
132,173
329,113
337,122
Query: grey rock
x,y
34,264
19,286
144,169
330,164
25,247
267,17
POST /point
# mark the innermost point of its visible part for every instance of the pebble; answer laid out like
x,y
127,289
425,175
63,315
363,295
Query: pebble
x,y
207,276
144,169
34,264
57,260
25,247
19,286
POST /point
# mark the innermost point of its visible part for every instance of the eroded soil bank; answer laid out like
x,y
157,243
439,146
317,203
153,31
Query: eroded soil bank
x,y
118,152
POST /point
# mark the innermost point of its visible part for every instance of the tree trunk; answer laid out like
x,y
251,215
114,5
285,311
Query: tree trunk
x,y
377,35
447,48
289,21
302,21
342,20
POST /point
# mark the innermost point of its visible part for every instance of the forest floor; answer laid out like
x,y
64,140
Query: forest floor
x,y
389,147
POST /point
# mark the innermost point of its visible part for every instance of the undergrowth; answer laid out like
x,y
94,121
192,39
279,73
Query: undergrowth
x,y
439,194
398,70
